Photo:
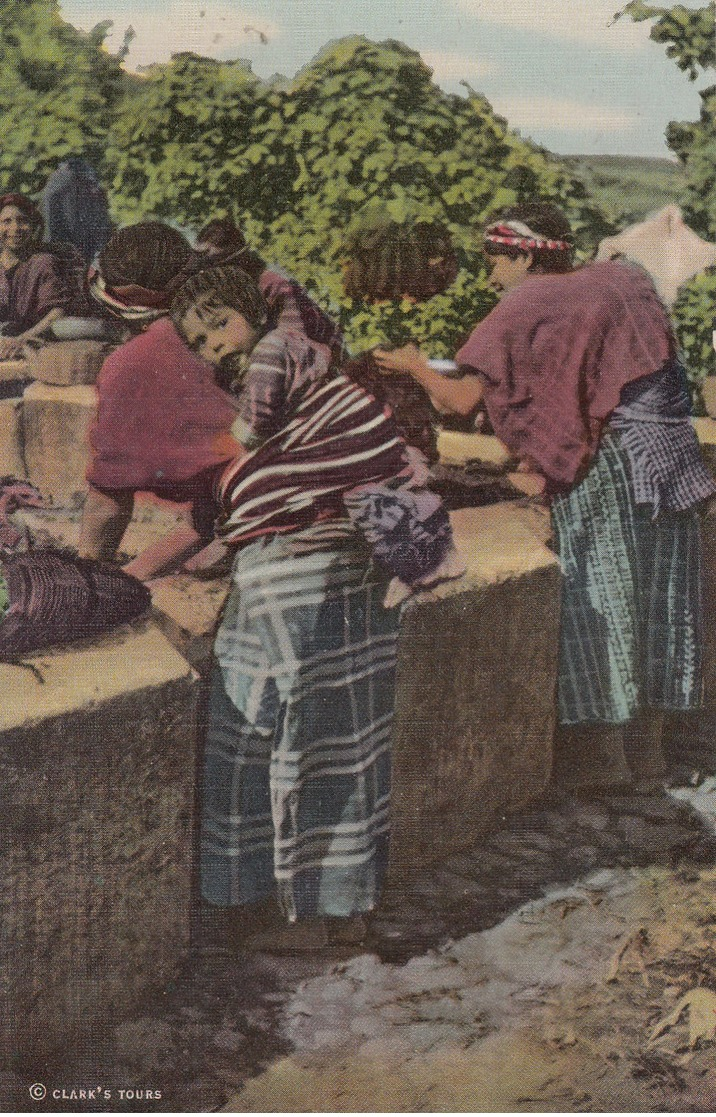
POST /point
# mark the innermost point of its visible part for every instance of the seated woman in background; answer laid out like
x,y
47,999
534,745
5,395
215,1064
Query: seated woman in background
x,y
578,371
33,291
162,422
388,261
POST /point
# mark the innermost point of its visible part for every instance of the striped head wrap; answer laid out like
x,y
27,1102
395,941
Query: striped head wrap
x,y
515,234
132,303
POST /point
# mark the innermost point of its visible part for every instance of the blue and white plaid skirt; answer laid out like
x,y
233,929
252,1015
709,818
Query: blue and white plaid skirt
x,y
631,628
296,785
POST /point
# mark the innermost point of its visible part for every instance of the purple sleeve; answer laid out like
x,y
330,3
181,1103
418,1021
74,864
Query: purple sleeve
x,y
262,402
43,289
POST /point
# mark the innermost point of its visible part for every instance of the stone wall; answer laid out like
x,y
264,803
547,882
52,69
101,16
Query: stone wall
x,y
475,697
97,768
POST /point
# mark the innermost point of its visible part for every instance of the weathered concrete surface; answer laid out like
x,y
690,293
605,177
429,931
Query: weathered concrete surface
x,y
187,610
56,425
708,390
706,433
97,764
11,456
458,447
10,371
66,363
475,710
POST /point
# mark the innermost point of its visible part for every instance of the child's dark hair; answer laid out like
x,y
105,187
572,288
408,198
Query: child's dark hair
x,y
229,247
223,234
548,223
386,260
217,287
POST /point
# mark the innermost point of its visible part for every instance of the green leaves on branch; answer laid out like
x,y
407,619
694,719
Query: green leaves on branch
x,y
688,33
694,315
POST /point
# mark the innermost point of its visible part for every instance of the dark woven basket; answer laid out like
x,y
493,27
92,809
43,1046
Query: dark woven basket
x,y
58,599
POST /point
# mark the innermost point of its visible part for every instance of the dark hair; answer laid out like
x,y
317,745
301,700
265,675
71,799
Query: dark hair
x,y
222,233
150,254
385,260
546,220
217,287
27,207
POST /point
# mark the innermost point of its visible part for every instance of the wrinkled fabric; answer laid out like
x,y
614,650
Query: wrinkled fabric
x,y
409,403
654,423
162,420
555,354
341,453
296,781
57,599
282,368
30,290
631,635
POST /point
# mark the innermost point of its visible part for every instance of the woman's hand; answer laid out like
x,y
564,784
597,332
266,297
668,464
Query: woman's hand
x,y
406,359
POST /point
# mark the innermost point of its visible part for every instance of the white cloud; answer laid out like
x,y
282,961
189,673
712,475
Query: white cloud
x,y
589,22
216,28
562,114
449,65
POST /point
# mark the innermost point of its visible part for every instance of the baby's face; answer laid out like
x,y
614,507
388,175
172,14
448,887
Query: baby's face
x,y
215,333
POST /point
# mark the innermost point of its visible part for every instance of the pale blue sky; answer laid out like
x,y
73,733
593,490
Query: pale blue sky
x,y
560,70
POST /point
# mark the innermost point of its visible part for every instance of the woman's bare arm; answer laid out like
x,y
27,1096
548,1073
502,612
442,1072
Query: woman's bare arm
x,y
460,396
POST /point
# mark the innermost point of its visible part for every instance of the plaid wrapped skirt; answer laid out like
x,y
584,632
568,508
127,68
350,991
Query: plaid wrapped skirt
x,y
631,628
296,783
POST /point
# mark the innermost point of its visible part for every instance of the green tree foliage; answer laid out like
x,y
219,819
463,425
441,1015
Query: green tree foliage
x,y
690,39
371,129
200,138
695,315
295,163
58,90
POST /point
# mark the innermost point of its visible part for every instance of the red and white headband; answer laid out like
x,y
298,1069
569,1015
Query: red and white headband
x,y
516,234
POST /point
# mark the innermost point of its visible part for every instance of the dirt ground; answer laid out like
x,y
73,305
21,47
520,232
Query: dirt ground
x,y
552,1010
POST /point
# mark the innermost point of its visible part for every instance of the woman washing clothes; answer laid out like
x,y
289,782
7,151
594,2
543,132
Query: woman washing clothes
x,y
163,424
296,782
390,262
577,369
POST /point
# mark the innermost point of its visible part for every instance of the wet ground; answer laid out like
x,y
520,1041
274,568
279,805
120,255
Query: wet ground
x,y
525,973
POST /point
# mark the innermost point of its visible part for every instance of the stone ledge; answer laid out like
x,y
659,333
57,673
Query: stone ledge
x,y
13,370
458,447
98,762
56,426
67,363
475,706
187,610
11,456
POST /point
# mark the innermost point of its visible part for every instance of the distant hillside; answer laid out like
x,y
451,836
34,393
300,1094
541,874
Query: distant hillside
x,y
626,187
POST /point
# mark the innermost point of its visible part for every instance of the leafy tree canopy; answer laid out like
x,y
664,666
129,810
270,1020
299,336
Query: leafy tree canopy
x,y
59,90
296,162
689,35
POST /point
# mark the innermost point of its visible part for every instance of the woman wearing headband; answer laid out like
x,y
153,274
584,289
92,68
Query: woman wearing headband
x,y
577,370
162,423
